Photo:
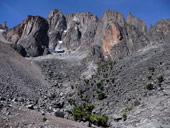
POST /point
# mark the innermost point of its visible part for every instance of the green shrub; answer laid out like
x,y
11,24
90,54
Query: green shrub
x,y
85,99
101,96
149,86
89,108
44,119
149,77
84,113
152,69
124,117
99,120
160,79
128,109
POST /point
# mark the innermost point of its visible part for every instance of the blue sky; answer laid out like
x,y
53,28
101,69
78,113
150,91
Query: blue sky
x,y
15,11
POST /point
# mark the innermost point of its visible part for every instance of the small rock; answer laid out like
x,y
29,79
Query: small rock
x,y
42,112
61,94
30,106
59,114
117,118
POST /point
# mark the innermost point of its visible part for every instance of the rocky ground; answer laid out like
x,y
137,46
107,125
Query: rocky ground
x,y
25,98
14,116
127,92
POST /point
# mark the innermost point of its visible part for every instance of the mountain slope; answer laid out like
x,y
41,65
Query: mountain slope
x,y
18,77
137,85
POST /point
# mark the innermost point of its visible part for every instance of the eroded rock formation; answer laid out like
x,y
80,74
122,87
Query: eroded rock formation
x,y
111,37
31,34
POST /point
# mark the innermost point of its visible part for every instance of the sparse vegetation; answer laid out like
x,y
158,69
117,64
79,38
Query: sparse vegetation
x,y
84,113
99,120
44,119
101,96
149,86
160,79
149,77
124,117
71,101
85,99
128,109
152,69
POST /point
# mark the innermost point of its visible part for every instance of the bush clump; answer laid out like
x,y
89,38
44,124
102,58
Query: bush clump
x,y
102,96
44,119
71,101
152,69
160,79
124,117
84,113
128,109
99,120
149,86
149,77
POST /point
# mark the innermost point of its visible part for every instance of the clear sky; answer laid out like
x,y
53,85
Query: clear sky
x,y
15,11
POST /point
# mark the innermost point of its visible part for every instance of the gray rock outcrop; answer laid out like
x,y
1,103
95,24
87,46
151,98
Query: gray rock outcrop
x,y
31,34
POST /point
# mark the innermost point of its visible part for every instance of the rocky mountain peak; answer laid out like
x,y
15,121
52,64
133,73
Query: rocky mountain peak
x,y
112,35
139,24
4,26
57,25
160,32
113,15
52,13
31,34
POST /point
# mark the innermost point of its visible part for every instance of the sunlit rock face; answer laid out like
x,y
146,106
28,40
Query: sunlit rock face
x,y
118,37
112,36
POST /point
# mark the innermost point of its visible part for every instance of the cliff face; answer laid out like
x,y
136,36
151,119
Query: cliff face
x,y
57,25
31,34
111,37
160,32
110,33
119,38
